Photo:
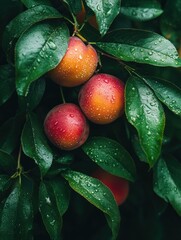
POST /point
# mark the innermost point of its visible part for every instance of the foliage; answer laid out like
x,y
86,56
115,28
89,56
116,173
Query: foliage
x,y
139,42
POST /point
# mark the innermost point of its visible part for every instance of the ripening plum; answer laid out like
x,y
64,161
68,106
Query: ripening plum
x,y
77,66
66,127
118,186
102,98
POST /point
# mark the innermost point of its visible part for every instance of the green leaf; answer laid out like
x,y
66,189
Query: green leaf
x,y
138,149
5,182
61,193
7,162
10,133
166,92
39,50
167,183
49,212
16,219
8,219
98,195
25,209
140,46
110,156
7,83
23,21
170,24
146,114
105,11
34,143
34,96
33,3
74,5
141,10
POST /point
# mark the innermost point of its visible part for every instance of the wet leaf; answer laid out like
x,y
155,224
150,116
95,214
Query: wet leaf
x,y
49,212
61,192
7,83
8,218
34,96
34,143
146,114
25,210
39,50
33,3
105,11
167,183
25,20
140,46
98,195
166,92
110,156
141,10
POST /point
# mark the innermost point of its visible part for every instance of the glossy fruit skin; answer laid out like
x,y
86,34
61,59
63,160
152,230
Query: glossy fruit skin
x,y
66,127
118,186
102,98
77,66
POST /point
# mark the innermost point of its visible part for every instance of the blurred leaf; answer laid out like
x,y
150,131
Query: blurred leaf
x,y
23,21
5,182
8,218
34,96
7,83
7,162
110,156
75,5
25,210
138,149
10,133
170,21
105,11
49,212
61,192
167,183
98,195
140,46
34,143
141,10
65,158
39,50
146,114
33,3
166,92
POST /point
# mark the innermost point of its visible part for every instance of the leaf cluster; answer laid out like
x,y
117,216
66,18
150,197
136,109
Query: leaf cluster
x,y
137,41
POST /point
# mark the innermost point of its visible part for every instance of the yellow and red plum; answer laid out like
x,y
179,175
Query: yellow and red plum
x,y
102,98
77,66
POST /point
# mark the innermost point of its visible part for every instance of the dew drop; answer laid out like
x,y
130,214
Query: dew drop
x,y
106,80
52,45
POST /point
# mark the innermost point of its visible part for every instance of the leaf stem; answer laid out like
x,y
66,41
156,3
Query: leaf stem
x,y
62,95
